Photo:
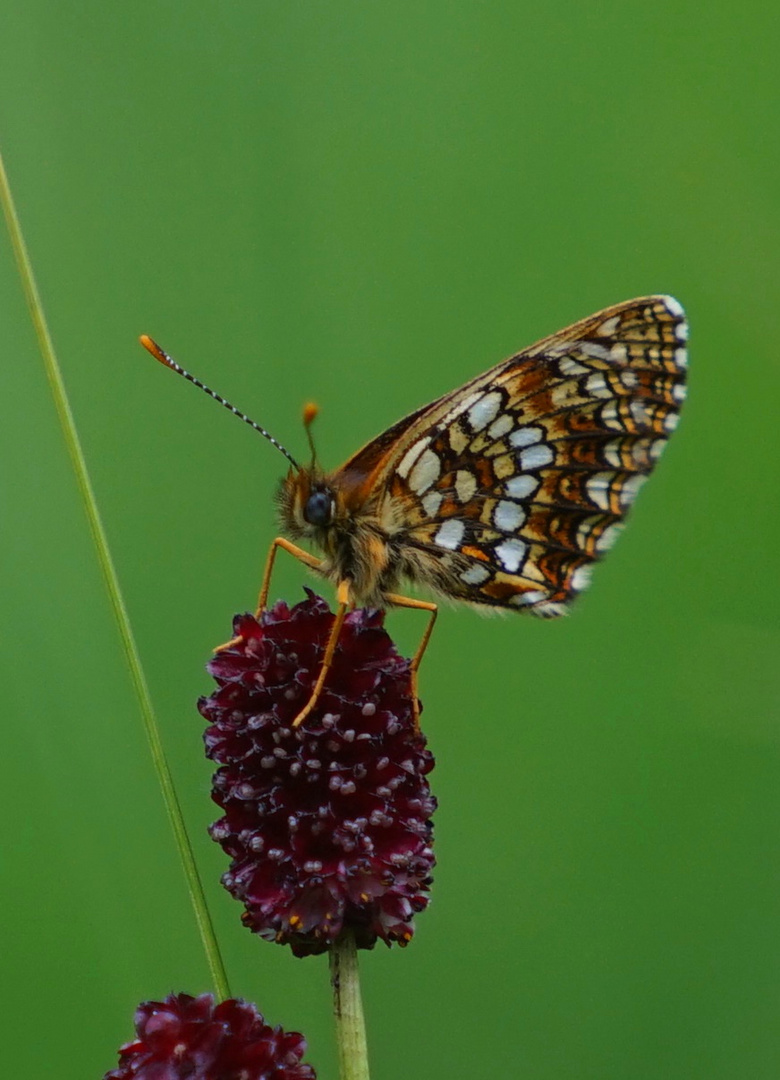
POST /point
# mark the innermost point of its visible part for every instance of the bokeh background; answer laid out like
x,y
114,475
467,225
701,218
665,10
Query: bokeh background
x,y
365,204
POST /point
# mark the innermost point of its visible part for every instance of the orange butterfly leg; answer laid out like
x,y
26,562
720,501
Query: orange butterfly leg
x,y
419,605
298,553
342,596
292,549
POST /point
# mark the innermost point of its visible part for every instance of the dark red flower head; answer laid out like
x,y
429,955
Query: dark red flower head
x,y
191,1038
327,825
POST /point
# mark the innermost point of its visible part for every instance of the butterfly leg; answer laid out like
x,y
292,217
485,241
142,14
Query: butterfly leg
x,y
342,597
292,549
433,609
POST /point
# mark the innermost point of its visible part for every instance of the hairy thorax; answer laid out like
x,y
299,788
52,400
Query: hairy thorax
x,y
353,537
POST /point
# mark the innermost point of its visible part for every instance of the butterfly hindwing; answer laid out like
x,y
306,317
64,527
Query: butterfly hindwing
x,y
512,486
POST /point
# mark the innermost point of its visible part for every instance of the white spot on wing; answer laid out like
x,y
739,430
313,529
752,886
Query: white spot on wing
x,y
612,454
681,357
610,415
534,457
425,472
674,307
609,326
520,487
532,596
411,456
475,574
583,532
569,366
508,516
559,348
526,436
594,349
630,489
500,426
609,536
431,503
511,554
598,487
597,386
580,579
459,408
482,412
638,410
551,609
450,534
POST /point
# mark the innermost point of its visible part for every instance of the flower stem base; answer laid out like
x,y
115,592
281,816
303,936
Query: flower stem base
x,y
348,1009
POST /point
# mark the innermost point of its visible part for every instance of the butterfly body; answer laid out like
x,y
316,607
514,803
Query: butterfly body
x,y
364,541
504,492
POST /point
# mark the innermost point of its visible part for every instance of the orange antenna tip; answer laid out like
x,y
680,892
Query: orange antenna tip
x,y
152,347
310,411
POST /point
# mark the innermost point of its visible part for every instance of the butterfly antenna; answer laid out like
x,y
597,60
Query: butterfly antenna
x,y
310,412
168,361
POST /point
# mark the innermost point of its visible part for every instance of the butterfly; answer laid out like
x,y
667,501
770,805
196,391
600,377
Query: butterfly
x,y
502,493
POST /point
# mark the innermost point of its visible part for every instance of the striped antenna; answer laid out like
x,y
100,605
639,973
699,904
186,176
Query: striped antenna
x,y
168,361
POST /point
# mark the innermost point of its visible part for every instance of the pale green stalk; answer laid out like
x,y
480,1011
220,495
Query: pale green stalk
x,y
68,424
348,1009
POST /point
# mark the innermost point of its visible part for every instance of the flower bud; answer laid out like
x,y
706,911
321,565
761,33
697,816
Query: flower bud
x,y
191,1038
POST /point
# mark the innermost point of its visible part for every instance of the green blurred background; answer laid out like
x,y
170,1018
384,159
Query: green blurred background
x,y
365,204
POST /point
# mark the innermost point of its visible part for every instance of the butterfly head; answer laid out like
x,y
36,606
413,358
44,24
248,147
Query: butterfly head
x,y
308,505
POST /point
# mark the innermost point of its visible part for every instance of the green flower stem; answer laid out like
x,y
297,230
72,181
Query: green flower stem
x,y
348,1009
68,424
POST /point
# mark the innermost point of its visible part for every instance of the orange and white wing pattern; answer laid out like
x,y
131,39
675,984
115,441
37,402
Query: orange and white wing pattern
x,y
508,489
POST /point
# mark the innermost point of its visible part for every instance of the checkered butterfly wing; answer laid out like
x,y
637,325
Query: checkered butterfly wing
x,y
508,489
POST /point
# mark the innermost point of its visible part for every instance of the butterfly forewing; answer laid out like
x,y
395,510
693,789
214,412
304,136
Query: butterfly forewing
x,y
511,486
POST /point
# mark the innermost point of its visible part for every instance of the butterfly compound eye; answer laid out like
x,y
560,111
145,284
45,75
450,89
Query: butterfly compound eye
x,y
319,508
